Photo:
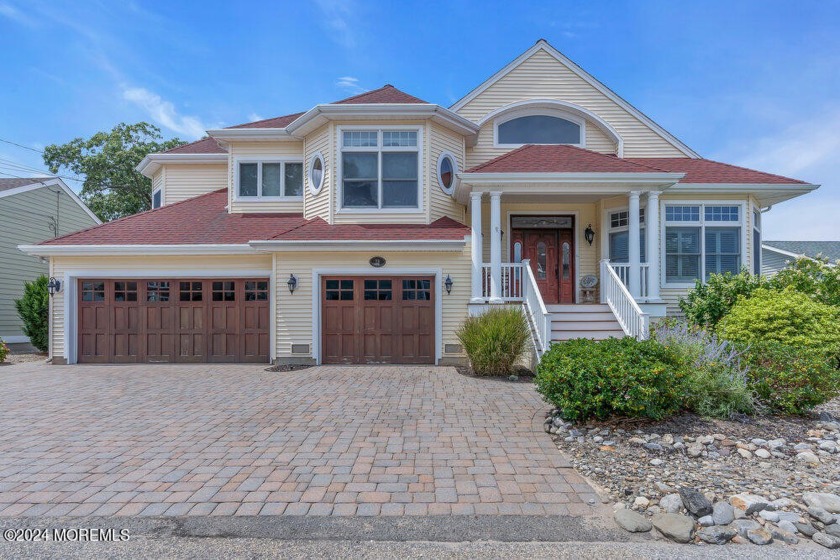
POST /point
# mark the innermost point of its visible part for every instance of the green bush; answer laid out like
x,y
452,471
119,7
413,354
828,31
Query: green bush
x,y
625,377
791,379
706,304
34,310
495,340
787,316
4,351
812,277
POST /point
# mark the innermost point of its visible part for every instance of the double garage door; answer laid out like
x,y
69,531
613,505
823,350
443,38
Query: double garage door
x,y
173,320
378,319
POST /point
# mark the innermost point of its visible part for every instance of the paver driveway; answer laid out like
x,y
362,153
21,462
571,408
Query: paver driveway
x,y
237,440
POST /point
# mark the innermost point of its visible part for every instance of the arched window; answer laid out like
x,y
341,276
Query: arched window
x,y
538,129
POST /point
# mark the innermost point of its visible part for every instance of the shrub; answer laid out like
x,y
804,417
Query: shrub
x,y
495,341
788,317
34,310
716,383
812,277
4,351
627,377
706,304
791,379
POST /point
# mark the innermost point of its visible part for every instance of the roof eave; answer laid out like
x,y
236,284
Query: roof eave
x,y
119,250
766,193
254,134
566,177
344,245
150,164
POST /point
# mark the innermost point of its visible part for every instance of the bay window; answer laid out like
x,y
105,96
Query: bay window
x,y
269,179
701,240
619,236
380,169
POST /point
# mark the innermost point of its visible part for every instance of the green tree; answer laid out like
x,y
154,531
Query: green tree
x,y
33,309
107,160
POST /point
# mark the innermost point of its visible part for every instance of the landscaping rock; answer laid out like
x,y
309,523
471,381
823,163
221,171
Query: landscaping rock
x,y
821,515
759,536
833,530
808,457
641,502
787,526
749,503
744,453
694,450
805,528
696,503
631,521
826,540
784,536
706,521
763,454
678,528
722,513
769,515
742,526
824,500
672,503
716,534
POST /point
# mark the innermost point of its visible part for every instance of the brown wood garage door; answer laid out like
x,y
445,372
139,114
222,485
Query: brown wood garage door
x,y
378,319
172,320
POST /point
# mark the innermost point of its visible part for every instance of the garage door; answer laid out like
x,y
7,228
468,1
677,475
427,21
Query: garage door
x,y
173,320
379,319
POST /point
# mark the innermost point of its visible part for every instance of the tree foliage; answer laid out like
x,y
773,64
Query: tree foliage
x,y
112,187
34,309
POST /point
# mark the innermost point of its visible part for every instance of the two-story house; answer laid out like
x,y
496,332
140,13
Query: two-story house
x,y
366,230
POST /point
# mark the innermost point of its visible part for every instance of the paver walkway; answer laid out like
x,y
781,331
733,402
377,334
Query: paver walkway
x,y
237,440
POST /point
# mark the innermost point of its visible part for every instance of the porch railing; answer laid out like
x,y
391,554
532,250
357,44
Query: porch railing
x,y
623,272
614,293
536,311
512,281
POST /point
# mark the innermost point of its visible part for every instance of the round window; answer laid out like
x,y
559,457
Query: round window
x,y
447,168
316,173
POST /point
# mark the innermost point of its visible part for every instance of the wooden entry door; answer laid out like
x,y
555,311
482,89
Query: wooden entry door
x,y
551,252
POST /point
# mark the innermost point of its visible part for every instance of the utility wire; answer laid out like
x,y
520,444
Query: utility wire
x,y
21,146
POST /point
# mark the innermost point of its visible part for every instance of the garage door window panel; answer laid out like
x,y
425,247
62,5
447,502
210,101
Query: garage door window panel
x,y
339,290
157,292
191,291
224,291
125,291
93,291
378,290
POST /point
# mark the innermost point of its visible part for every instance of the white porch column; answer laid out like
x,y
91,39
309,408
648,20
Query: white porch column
x,y
477,248
495,247
652,226
634,239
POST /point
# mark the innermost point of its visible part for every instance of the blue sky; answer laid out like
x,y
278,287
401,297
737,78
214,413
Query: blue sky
x,y
752,83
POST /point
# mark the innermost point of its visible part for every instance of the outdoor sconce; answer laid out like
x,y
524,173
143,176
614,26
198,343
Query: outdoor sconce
x,y
589,234
292,282
54,286
448,284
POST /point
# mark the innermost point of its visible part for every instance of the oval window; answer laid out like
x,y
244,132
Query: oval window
x,y
316,173
447,168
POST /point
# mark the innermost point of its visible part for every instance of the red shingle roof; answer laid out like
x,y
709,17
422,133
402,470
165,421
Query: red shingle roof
x,y
205,220
708,171
276,122
385,94
203,146
319,230
559,159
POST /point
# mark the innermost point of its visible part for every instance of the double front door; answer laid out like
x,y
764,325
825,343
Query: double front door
x,y
552,256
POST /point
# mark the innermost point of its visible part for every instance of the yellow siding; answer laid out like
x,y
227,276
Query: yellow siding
x,y
319,205
183,181
543,77
142,264
295,314
441,204
256,151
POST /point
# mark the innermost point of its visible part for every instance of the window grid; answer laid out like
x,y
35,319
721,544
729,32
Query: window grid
x,y
416,290
191,291
722,213
256,291
339,290
378,290
289,177
682,213
224,291
125,291
684,267
619,238
93,291
157,291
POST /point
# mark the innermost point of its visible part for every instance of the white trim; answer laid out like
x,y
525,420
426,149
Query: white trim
x,y
536,111
260,162
370,271
256,134
52,182
576,218
272,309
314,190
783,252
454,160
118,250
413,245
591,80
666,179
379,149
767,194
154,192
561,108
149,165
70,290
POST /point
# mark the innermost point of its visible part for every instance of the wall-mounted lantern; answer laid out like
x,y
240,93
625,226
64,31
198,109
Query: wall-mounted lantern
x,y
292,283
448,284
589,234
54,286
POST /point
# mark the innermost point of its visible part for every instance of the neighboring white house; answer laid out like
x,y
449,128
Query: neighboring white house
x,y
775,255
366,230
32,210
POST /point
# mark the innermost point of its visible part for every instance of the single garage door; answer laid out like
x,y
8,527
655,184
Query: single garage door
x,y
173,320
378,319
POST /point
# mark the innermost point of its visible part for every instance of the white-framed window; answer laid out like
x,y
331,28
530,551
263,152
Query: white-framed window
x,y
316,173
538,126
157,198
380,168
619,236
447,169
702,239
756,241
257,179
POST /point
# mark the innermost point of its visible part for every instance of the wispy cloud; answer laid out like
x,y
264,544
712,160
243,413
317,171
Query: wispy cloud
x,y
253,117
338,17
12,13
350,84
163,112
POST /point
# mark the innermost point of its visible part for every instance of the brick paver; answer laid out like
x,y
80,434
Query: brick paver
x,y
237,440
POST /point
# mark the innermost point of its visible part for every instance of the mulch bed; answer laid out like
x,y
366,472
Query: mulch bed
x,y
522,375
288,367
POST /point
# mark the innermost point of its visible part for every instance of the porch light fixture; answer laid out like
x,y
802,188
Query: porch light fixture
x,y
54,286
292,282
589,234
448,284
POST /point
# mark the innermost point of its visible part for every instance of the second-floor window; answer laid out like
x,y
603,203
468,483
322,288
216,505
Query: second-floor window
x,y
380,169
270,179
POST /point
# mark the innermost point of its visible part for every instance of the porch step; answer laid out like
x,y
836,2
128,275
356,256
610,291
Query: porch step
x,y
594,321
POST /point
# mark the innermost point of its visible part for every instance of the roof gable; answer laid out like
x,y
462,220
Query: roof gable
x,y
385,94
559,159
11,187
544,72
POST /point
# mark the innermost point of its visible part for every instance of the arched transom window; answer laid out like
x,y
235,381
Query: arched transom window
x,y
538,129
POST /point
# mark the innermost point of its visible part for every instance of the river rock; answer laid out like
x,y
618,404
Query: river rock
x,y
744,525
641,502
808,457
821,515
771,516
833,530
785,536
749,503
805,528
696,503
716,534
723,513
678,528
759,536
706,521
788,526
826,540
631,521
763,454
824,500
672,503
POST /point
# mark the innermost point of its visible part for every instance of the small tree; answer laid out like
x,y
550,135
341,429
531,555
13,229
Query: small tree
x,y
34,310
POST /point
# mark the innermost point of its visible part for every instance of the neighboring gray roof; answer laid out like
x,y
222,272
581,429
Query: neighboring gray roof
x,y
14,182
829,249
